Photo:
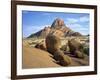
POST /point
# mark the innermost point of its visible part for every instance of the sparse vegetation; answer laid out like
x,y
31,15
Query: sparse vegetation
x,y
86,50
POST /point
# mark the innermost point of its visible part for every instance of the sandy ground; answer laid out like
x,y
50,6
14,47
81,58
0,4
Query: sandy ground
x,y
36,58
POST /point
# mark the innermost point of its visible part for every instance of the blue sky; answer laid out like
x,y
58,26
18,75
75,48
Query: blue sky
x,y
33,21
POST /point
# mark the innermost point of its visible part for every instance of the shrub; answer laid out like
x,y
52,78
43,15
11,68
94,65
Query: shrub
x,y
86,50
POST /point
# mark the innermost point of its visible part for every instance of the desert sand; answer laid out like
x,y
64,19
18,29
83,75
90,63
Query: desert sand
x,y
36,58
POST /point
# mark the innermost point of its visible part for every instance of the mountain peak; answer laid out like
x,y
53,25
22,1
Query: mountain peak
x,y
58,23
57,28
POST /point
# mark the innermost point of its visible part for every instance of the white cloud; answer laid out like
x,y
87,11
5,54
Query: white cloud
x,y
74,25
71,20
84,19
79,24
77,20
83,29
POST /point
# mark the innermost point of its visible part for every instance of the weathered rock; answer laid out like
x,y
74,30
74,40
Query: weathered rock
x,y
79,54
74,45
64,48
76,48
53,43
40,46
76,34
58,27
58,23
63,60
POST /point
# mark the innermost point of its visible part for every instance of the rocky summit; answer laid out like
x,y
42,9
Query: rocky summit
x,y
58,23
57,28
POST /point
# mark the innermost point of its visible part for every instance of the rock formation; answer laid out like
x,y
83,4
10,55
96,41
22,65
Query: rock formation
x,y
62,59
76,48
57,28
53,46
53,43
58,23
41,45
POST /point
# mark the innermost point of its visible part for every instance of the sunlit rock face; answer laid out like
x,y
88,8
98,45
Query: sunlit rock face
x,y
57,28
58,23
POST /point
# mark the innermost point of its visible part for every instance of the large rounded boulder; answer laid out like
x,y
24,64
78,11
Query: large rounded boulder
x,y
76,48
62,59
53,43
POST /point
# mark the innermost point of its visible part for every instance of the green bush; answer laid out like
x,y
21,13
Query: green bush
x,y
86,50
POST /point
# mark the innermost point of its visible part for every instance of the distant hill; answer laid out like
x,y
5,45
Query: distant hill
x,y
57,28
